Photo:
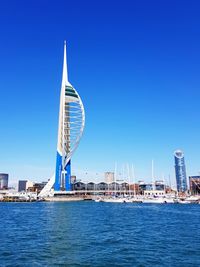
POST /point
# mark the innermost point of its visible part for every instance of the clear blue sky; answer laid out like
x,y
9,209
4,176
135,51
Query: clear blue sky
x,y
136,65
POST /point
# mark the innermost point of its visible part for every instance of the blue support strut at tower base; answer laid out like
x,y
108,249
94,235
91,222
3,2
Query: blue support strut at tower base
x,y
58,175
68,176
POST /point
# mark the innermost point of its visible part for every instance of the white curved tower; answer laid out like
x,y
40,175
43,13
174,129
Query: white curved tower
x,y
70,129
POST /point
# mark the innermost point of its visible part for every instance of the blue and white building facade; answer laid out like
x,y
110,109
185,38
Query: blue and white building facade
x,y
180,171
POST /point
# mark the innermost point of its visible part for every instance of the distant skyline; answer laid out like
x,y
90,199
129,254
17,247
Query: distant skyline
x,y
136,67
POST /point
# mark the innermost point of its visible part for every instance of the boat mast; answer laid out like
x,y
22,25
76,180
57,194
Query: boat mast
x,y
133,173
152,174
115,177
163,178
128,170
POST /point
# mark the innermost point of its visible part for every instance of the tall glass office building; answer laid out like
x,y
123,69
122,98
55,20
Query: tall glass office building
x,y
3,180
180,170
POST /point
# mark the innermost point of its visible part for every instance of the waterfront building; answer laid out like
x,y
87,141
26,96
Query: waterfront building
x,y
24,185
78,186
73,179
142,186
180,171
109,177
104,188
194,182
135,188
70,129
36,187
157,186
154,192
160,185
3,181
90,186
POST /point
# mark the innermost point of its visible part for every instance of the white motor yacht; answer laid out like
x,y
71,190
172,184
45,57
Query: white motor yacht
x,y
115,200
153,200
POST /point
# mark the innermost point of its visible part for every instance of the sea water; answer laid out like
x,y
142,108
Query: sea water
x,y
99,234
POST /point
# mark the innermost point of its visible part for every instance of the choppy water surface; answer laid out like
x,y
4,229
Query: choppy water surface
x,y
99,234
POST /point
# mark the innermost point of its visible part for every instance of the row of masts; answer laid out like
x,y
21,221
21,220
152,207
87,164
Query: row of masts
x,y
131,176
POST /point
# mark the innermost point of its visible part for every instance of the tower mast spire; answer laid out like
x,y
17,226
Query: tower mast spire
x,y
65,73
